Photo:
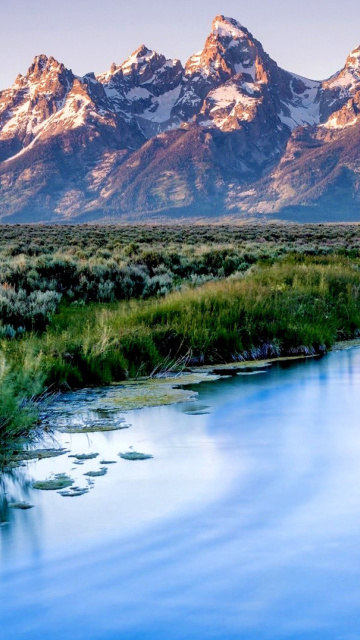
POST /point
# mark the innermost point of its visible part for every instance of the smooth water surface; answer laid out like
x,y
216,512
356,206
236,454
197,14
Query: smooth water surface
x,y
244,525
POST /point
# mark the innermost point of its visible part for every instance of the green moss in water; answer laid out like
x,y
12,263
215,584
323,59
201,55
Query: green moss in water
x,y
134,455
96,474
94,429
157,391
20,505
74,492
59,481
35,454
84,456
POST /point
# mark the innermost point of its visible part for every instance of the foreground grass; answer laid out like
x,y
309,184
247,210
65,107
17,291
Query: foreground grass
x,y
295,305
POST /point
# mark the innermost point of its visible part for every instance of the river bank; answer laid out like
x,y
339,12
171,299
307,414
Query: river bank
x,y
287,308
171,388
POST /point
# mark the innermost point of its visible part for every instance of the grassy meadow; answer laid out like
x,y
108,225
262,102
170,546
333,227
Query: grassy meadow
x,y
93,305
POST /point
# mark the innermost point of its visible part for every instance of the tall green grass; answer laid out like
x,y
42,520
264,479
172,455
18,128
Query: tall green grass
x,y
296,305
22,382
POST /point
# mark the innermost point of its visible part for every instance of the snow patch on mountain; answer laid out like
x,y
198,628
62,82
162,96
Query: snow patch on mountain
x,y
231,85
161,107
346,82
246,67
229,101
224,27
304,106
229,94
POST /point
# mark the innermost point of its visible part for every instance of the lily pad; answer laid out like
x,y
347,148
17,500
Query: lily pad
x,y
59,481
135,455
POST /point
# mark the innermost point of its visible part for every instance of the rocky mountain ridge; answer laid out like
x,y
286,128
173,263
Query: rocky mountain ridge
x,y
229,133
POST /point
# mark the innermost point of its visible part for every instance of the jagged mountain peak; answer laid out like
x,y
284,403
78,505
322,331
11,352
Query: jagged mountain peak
x,y
339,89
31,100
145,61
141,64
223,26
229,49
230,53
40,61
222,122
144,89
140,57
42,64
353,60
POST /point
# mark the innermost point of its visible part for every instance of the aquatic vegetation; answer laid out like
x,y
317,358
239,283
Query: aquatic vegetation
x,y
14,457
153,392
134,455
84,456
74,492
96,474
346,344
89,413
23,506
37,454
94,428
197,413
58,481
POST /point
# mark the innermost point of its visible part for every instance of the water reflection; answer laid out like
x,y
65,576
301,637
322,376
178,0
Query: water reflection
x,y
246,523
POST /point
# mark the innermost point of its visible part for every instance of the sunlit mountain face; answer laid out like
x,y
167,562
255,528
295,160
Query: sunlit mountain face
x,y
229,133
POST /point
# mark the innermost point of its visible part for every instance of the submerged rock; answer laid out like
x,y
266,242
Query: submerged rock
x,y
134,455
59,481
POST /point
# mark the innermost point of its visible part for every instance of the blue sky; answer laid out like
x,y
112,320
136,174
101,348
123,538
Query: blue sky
x,y
309,37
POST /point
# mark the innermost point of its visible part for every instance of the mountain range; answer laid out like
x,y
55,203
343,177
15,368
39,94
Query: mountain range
x,y
228,134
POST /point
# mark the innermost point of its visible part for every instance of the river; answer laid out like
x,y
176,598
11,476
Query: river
x,y
245,523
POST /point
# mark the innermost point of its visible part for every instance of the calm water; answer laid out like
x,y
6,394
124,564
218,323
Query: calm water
x,y
244,525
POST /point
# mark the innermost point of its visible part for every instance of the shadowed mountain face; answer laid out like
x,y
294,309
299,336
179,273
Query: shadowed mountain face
x,y
229,133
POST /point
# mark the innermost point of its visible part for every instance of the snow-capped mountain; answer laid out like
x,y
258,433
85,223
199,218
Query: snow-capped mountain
x,y
228,132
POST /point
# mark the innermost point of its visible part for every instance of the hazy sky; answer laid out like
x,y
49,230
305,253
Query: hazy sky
x,y
309,37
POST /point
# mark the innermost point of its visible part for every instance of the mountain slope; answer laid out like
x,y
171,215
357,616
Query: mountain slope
x,y
230,132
